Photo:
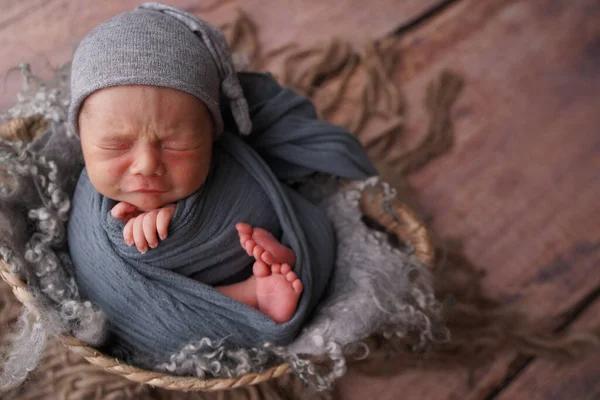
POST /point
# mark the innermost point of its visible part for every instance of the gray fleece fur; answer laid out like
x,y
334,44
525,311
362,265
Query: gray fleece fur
x,y
370,291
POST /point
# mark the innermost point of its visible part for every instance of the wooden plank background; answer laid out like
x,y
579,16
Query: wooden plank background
x,y
521,186
522,183
44,32
544,379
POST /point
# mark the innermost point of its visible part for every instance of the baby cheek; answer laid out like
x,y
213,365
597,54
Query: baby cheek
x,y
188,169
113,171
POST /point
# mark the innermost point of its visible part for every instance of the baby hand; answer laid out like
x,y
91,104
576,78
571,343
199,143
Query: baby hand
x,y
142,227
124,211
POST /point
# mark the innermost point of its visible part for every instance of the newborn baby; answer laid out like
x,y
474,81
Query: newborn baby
x,y
148,147
182,224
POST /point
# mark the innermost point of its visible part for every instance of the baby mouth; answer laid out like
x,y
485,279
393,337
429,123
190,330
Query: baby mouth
x,y
150,191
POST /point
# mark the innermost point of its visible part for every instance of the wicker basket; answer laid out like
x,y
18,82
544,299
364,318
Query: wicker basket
x,y
392,216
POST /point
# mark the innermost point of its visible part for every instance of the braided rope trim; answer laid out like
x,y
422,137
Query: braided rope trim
x,y
165,381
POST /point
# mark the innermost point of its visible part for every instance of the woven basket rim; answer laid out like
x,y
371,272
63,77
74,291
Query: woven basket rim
x,y
402,221
113,365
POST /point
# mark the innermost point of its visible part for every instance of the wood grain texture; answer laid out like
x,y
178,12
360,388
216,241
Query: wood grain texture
x,y
45,32
521,185
546,380
522,181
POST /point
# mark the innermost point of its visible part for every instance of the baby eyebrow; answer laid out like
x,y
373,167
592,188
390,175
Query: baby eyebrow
x,y
117,137
129,136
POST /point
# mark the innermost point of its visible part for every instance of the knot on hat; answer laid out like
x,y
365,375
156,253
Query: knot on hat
x,y
231,88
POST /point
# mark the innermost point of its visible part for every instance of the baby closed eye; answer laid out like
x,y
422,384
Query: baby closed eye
x,y
165,146
180,146
117,146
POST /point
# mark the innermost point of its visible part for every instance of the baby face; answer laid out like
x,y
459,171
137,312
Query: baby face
x,y
145,145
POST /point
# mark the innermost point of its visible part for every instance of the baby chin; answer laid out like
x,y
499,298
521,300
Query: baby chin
x,y
146,201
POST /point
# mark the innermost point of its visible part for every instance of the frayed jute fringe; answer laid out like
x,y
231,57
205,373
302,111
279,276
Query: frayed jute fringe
x,y
346,80
342,80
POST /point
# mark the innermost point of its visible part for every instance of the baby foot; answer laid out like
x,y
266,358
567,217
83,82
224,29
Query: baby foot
x,y
277,290
262,245
277,287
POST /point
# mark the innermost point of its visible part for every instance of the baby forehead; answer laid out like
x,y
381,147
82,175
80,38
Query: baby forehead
x,y
143,99
134,109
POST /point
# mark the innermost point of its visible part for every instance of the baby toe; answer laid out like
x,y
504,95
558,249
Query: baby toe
x,y
291,276
285,268
249,246
243,228
258,252
297,286
268,257
244,232
276,268
260,269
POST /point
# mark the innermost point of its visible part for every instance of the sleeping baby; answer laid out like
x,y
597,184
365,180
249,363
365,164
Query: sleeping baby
x,y
182,223
148,147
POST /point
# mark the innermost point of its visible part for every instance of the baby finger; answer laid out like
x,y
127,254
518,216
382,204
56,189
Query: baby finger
x,y
123,211
128,232
149,227
138,234
163,219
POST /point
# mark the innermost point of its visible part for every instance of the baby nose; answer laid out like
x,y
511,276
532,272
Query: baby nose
x,y
147,161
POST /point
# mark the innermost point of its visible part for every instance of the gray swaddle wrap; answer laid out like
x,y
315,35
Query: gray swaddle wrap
x,y
152,303
159,301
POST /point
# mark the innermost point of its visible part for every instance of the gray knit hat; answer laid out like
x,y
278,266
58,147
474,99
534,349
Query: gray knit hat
x,y
159,45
